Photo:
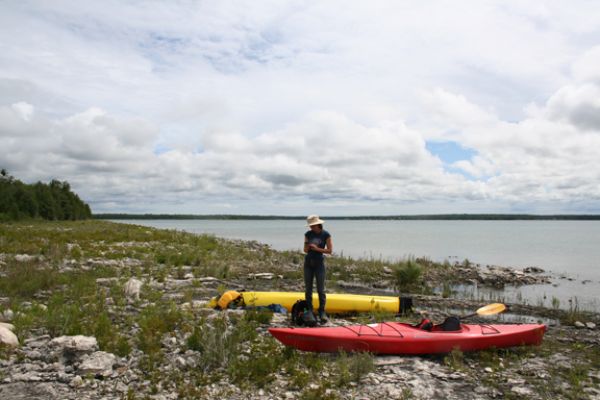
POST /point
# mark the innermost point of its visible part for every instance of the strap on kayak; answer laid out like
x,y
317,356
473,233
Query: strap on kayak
x,y
491,331
380,333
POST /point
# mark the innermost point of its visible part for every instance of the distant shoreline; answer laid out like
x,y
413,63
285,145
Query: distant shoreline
x,y
439,217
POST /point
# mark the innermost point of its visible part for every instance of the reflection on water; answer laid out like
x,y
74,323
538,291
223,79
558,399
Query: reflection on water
x,y
561,294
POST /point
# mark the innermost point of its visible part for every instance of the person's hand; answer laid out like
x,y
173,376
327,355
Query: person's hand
x,y
313,246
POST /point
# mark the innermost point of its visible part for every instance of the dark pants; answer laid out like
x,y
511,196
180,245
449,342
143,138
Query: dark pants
x,y
314,269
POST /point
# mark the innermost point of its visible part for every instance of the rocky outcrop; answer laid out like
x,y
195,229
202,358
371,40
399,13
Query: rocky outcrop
x,y
72,347
498,277
7,337
98,363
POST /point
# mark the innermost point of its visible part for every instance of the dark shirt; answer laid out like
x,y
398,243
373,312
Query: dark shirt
x,y
319,239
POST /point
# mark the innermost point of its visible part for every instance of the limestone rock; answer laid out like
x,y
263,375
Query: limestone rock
x,y
262,275
106,281
75,344
208,279
28,390
533,270
98,363
132,288
590,325
579,324
194,304
76,382
521,391
24,258
8,326
37,341
7,315
7,337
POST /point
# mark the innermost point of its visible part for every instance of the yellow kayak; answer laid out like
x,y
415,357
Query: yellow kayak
x,y
336,302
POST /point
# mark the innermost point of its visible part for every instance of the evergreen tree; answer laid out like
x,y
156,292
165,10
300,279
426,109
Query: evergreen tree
x,y
53,201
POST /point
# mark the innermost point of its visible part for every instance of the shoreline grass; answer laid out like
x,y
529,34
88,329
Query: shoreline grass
x,y
72,280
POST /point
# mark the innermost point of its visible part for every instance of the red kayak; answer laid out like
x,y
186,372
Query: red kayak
x,y
401,338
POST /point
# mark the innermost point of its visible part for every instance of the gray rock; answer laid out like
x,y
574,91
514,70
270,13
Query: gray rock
x,y
8,326
7,315
34,355
30,376
132,288
106,281
37,342
180,361
98,363
28,391
64,377
121,387
579,324
25,258
560,360
195,304
175,284
533,270
521,390
192,362
207,279
74,344
76,382
8,338
590,325
263,275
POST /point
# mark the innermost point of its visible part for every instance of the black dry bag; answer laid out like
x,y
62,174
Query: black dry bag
x,y
301,315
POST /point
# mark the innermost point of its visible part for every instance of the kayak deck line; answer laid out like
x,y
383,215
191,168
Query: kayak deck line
x,y
380,333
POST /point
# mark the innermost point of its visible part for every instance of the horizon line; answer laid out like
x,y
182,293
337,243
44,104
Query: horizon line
x,y
480,216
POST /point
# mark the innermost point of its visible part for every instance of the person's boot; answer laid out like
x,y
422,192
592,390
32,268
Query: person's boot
x,y
323,317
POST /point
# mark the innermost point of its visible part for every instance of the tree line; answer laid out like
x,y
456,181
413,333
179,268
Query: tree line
x,y
52,201
435,217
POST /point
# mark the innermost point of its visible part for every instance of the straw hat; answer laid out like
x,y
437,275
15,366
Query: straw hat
x,y
314,220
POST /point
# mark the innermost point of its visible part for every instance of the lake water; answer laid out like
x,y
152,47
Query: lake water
x,y
570,248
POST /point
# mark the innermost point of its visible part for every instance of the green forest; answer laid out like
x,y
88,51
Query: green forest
x,y
52,201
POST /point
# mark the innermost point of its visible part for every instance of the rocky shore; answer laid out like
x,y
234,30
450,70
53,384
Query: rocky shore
x,y
97,310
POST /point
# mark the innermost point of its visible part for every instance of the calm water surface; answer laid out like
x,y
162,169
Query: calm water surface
x,y
569,248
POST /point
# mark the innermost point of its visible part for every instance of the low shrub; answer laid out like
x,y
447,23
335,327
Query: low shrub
x,y
406,274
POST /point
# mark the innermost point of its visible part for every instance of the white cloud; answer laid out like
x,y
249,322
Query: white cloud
x,y
188,107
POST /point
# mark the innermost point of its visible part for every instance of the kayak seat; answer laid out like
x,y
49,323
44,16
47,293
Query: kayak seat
x,y
450,324
425,325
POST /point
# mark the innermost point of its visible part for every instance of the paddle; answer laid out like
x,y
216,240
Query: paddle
x,y
490,309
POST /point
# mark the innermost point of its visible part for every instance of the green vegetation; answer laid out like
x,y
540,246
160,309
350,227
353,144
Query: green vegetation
x,y
407,274
68,278
53,201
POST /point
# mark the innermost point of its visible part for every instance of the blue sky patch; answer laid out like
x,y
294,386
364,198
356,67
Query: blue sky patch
x,y
160,149
449,152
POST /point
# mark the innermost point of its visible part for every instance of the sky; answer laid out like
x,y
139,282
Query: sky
x,y
303,107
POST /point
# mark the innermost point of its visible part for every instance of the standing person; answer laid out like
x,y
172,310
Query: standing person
x,y
317,242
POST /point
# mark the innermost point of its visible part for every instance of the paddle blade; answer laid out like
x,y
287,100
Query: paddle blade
x,y
491,309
